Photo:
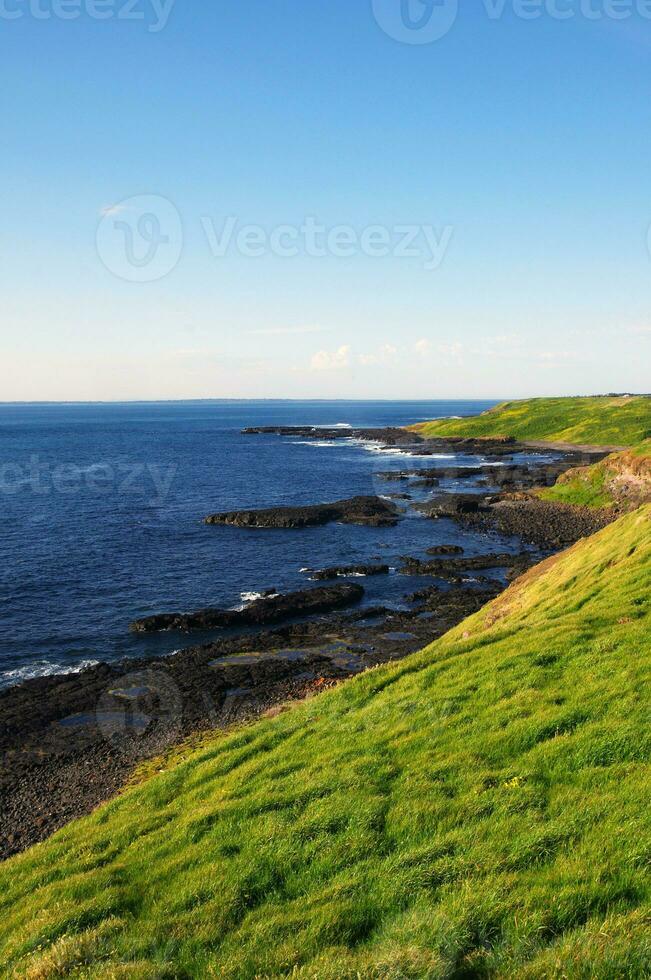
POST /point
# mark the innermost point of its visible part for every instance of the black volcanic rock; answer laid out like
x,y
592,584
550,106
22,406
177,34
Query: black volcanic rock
x,y
460,472
452,567
261,612
390,436
402,475
342,571
520,477
371,511
434,474
428,481
495,448
547,524
509,477
489,448
453,505
445,549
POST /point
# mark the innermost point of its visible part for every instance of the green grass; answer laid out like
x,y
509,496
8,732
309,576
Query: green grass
x,y
622,479
585,487
599,421
480,809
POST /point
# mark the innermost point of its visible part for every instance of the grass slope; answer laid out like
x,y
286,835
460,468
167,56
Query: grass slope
x,y
598,421
479,809
621,480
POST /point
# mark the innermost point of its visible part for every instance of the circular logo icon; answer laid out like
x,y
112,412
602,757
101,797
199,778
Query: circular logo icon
x,y
140,239
416,21
143,703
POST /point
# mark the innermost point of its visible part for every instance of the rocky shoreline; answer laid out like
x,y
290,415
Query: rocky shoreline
x,y
262,612
69,742
548,525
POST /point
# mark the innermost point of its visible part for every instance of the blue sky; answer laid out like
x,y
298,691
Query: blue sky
x,y
520,146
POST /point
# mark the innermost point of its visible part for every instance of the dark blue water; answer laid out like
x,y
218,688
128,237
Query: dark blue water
x,y
102,507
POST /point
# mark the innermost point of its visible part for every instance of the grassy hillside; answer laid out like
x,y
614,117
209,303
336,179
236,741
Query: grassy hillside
x,y
479,809
599,421
621,480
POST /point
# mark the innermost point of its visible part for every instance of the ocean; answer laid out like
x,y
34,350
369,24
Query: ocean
x,y
102,509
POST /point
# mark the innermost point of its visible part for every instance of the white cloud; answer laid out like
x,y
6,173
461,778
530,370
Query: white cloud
x,y
451,352
387,352
547,359
426,348
337,360
512,347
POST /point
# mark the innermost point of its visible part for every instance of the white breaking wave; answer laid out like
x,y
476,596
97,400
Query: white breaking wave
x,y
315,578
42,668
378,447
320,443
380,450
439,456
248,597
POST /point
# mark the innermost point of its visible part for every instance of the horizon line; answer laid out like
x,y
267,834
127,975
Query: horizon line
x,y
185,401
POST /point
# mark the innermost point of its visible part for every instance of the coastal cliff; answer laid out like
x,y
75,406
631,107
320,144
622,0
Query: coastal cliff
x,y
611,421
478,809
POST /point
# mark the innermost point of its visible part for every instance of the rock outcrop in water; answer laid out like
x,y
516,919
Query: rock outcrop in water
x,y
261,612
453,505
487,448
447,567
370,511
512,476
389,437
343,571
445,549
